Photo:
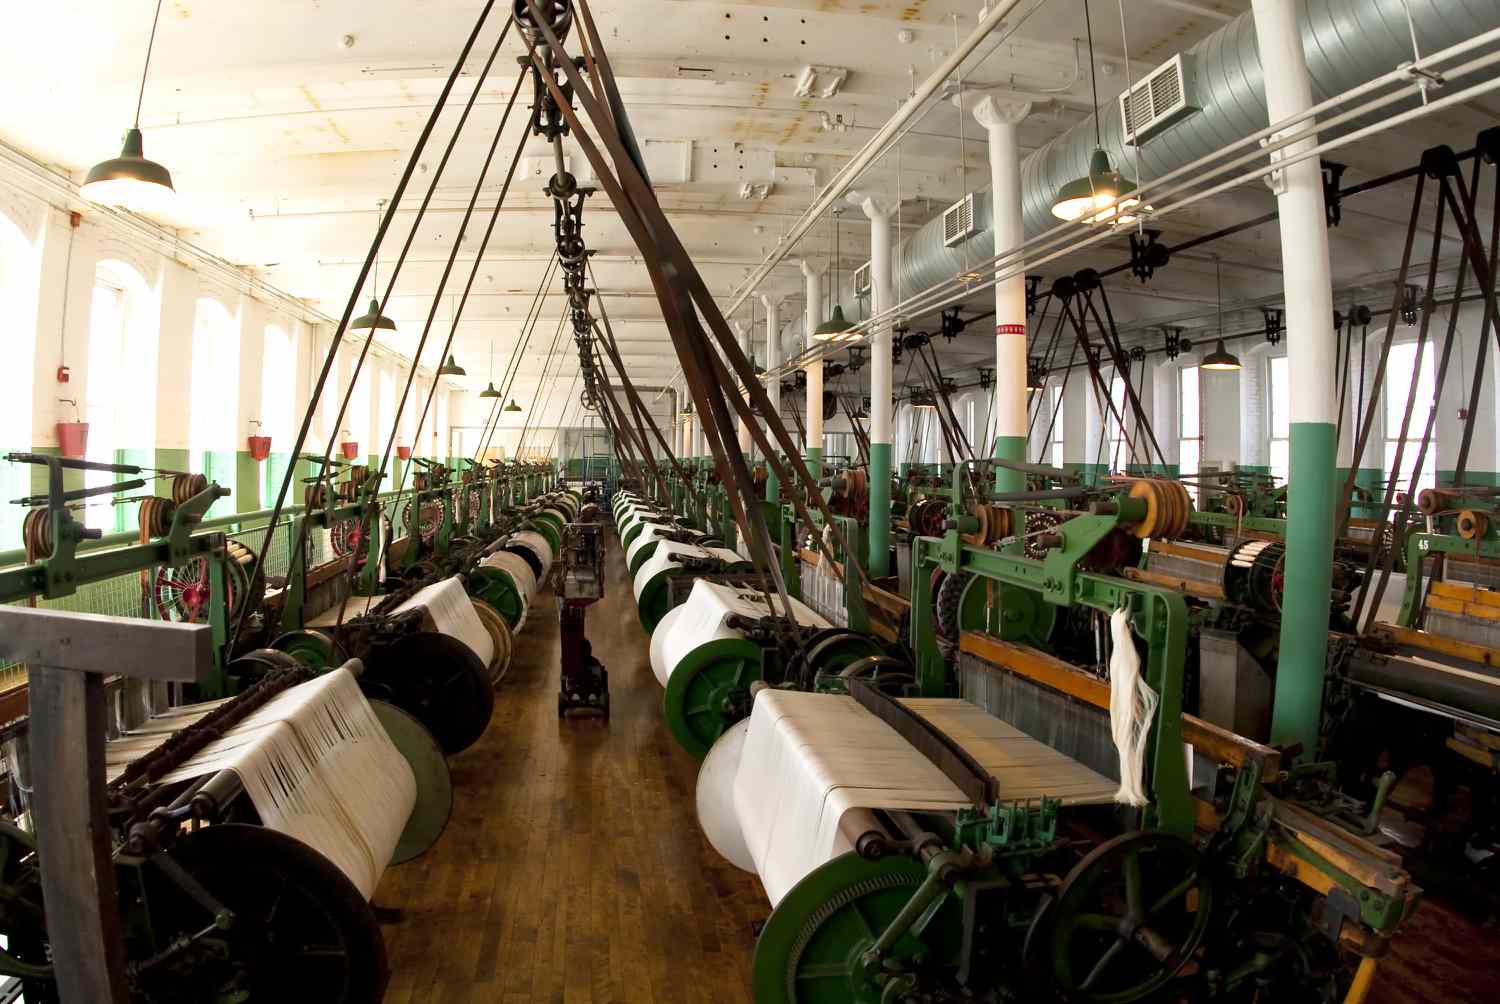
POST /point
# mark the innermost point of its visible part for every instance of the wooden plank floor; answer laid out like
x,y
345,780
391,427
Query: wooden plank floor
x,y
573,869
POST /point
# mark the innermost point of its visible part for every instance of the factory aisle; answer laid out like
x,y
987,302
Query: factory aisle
x,y
573,869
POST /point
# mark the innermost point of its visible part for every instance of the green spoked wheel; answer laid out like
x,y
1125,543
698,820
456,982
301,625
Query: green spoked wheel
x,y
652,604
300,931
642,555
827,653
439,680
1128,917
429,817
499,590
1024,616
709,690
310,648
811,950
549,526
25,955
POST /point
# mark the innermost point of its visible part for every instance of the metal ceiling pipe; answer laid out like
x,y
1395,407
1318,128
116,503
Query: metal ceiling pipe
x,y
1346,42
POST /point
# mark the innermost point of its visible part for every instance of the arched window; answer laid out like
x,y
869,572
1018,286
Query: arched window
x,y
385,405
214,394
357,417
120,378
278,417
18,296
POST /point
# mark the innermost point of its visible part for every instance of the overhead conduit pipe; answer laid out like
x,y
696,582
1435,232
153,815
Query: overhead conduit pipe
x,y
1347,42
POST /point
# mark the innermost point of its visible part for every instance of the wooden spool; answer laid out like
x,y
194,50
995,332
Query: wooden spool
x,y
500,637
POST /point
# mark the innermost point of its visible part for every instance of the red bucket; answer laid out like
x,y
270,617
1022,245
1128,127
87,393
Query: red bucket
x,y
260,447
351,450
73,437
404,452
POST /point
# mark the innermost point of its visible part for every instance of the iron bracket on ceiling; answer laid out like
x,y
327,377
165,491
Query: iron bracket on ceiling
x,y
953,325
1273,325
1332,200
1033,286
1147,254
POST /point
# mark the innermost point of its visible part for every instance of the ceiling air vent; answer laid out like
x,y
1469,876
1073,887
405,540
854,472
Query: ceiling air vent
x,y
958,221
1161,99
862,280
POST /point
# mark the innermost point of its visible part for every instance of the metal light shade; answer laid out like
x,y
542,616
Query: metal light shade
x,y
1098,196
490,391
130,181
833,329
1220,359
512,407
372,320
923,402
1035,380
451,368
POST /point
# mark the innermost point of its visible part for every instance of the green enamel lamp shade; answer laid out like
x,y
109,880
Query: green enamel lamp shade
x,y
129,181
512,407
834,328
490,391
372,320
1220,359
1097,196
451,368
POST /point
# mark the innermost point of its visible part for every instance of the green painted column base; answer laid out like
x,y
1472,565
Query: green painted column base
x,y
815,461
880,510
1298,708
1010,448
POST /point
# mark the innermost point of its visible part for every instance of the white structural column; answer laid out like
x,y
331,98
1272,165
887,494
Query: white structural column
x,y
1298,708
744,427
813,448
883,297
772,302
1001,120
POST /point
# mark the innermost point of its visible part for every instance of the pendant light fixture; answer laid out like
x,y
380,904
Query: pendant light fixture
x,y
923,400
1102,195
130,181
373,319
451,367
490,391
513,407
1220,358
836,328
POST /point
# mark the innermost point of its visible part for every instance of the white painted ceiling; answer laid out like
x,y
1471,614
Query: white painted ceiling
x,y
284,121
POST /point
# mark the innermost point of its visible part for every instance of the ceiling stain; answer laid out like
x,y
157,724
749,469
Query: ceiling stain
x,y
333,127
181,10
309,96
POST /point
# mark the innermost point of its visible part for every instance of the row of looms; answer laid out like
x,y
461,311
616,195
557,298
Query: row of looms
x,y
960,717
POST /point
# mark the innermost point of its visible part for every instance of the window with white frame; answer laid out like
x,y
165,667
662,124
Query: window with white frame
x,y
1055,417
215,379
1189,425
107,332
18,295
1281,418
277,405
1403,361
1114,420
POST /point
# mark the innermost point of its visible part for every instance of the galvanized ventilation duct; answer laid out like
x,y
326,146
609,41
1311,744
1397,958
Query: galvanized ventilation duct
x,y
1348,42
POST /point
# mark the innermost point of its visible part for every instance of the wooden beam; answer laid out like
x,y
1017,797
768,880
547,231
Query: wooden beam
x,y
67,657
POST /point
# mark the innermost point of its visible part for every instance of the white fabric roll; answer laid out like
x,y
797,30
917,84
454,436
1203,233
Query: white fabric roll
x,y
668,555
659,638
717,817
810,758
451,612
515,566
651,532
318,766
709,606
537,545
